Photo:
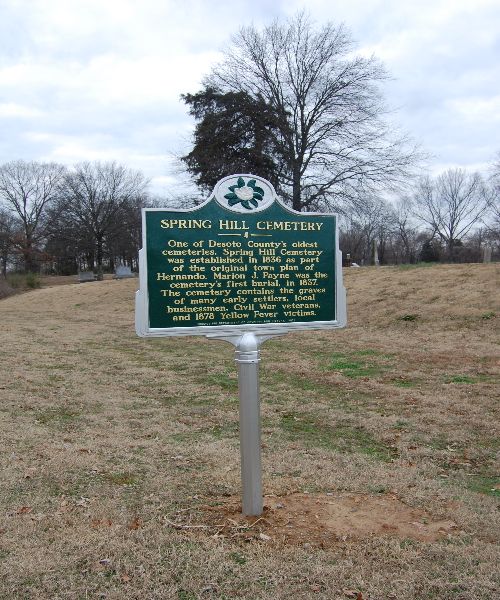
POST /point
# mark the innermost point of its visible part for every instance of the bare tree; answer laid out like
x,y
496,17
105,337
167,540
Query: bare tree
x,y
94,198
491,233
8,230
406,230
494,195
451,205
333,139
366,223
27,188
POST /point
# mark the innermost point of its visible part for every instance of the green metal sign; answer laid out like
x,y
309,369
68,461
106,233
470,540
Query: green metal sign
x,y
240,261
242,268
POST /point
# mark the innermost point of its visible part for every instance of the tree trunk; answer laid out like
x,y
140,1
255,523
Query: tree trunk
x,y
296,199
29,262
374,260
99,257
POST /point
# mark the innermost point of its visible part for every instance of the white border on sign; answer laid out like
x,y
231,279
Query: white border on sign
x,y
228,332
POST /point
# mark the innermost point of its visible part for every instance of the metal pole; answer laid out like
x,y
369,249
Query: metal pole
x,y
247,359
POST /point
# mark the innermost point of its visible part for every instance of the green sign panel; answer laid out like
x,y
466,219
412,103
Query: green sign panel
x,y
240,259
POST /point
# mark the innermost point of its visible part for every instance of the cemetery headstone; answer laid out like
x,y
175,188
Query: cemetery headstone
x,y
486,254
123,272
84,276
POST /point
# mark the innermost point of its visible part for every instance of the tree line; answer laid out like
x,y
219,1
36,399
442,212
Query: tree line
x,y
453,217
58,220
295,105
62,220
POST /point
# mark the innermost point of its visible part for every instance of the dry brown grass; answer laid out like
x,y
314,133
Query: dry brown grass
x,y
53,280
120,462
5,289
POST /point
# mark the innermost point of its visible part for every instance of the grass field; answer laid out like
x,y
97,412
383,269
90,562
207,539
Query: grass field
x,y
120,456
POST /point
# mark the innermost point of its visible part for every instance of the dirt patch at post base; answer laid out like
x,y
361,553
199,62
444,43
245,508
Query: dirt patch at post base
x,y
322,520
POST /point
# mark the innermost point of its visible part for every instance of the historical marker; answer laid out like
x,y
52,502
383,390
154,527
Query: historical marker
x,y
241,267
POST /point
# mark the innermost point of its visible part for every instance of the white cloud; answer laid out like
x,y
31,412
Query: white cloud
x,y
477,109
87,79
11,110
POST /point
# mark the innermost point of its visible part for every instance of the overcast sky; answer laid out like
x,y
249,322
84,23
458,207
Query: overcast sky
x,y
101,79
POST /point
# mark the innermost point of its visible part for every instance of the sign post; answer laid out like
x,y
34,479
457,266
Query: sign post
x,y
247,358
242,268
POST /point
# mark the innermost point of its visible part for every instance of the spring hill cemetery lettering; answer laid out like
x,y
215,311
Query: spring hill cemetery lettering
x,y
242,268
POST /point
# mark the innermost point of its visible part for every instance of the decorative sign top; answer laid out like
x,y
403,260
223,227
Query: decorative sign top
x,y
244,193
240,262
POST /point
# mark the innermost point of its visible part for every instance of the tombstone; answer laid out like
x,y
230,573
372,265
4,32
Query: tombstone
x,y
374,254
123,272
84,276
486,254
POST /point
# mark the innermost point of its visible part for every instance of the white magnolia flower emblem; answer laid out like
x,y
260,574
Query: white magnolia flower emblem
x,y
248,194
244,193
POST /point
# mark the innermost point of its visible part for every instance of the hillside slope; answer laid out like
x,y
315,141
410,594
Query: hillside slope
x,y
119,456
